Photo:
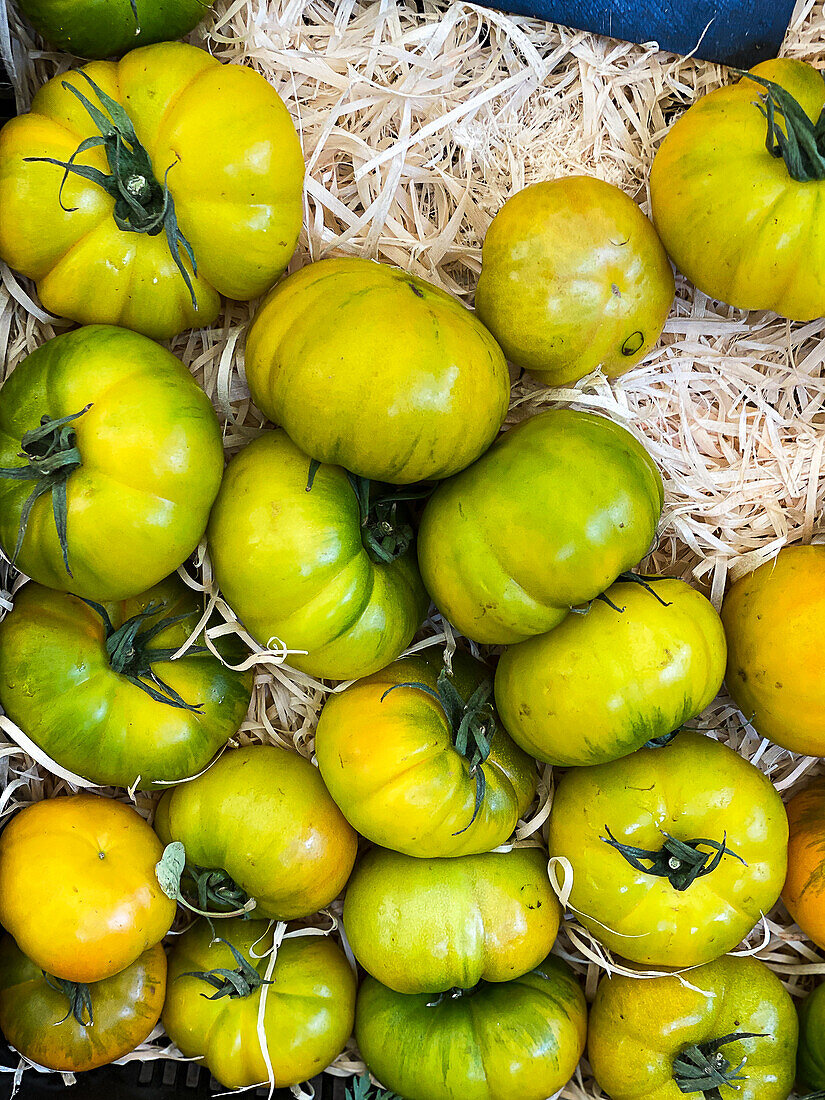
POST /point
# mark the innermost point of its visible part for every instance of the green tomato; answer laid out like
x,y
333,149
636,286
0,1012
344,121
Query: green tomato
x,y
260,824
308,566
727,1021
389,749
308,1008
810,1063
95,688
521,1038
427,925
573,278
124,451
102,28
546,520
369,367
605,682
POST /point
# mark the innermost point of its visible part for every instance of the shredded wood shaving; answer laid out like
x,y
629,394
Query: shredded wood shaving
x,y
418,119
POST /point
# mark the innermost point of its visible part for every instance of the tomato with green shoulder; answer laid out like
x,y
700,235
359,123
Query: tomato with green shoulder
x,y
810,1059
804,889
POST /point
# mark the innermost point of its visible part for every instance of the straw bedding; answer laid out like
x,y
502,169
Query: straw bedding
x,y
417,121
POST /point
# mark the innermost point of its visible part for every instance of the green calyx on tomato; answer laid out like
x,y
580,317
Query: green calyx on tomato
x,y
679,861
702,1067
642,579
79,997
52,455
363,1089
802,143
241,982
142,204
131,656
472,722
213,886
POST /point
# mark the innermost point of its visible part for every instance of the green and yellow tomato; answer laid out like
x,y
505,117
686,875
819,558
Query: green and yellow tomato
x,y
773,622
739,215
546,520
260,824
728,1028
307,1011
137,192
70,1027
632,668
304,558
110,459
521,1038
376,370
416,759
427,925
95,687
573,278
675,852
810,1061
804,889
78,888
101,28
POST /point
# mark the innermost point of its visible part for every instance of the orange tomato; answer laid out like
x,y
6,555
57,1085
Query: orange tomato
x,y
804,890
78,889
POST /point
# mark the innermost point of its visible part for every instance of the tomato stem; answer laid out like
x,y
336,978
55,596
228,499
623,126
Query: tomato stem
x,y
472,724
51,455
142,205
362,1088
242,982
79,997
679,861
702,1067
802,143
131,656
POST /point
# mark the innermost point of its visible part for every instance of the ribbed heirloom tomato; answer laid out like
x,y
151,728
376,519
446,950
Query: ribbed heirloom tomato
x,y
521,1038
369,367
546,520
804,889
78,888
725,1029
739,215
426,925
137,192
306,1012
101,28
95,686
316,560
675,852
773,620
73,1028
416,759
260,824
637,664
110,459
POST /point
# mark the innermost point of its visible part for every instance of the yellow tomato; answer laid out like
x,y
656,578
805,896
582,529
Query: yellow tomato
x,y
773,620
573,278
78,889
198,196
804,889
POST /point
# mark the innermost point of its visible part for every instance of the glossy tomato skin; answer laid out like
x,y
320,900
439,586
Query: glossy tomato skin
x,y
235,175
693,788
151,455
376,370
729,213
427,925
58,685
308,1014
773,620
293,567
519,1038
573,278
94,904
125,1009
263,815
101,28
638,1027
605,682
546,520
811,1053
389,762
804,889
